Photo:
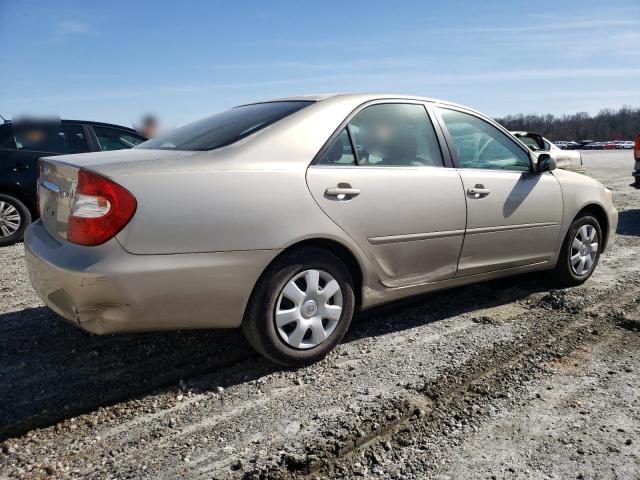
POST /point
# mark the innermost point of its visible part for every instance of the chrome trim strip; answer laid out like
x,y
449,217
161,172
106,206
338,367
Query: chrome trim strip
x,y
503,228
52,187
413,237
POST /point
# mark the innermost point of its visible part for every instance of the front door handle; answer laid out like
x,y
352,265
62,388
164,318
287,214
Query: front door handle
x,y
479,191
342,192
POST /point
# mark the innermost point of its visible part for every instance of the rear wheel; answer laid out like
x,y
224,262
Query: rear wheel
x,y
580,251
301,308
14,218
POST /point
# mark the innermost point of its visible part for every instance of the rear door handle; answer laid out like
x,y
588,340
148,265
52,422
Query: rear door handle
x,y
344,191
478,191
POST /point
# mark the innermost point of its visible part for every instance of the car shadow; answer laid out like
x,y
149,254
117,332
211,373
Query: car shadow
x,y
521,190
52,370
629,223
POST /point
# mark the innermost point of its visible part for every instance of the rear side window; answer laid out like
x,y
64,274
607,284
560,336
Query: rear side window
x,y
339,152
394,135
225,128
50,138
115,139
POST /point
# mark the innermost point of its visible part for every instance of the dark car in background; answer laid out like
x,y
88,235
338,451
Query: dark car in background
x,y
23,143
579,145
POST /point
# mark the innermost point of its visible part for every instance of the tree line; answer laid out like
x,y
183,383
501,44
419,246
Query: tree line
x,y
608,124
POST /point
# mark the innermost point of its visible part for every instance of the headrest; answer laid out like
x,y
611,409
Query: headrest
x,y
402,149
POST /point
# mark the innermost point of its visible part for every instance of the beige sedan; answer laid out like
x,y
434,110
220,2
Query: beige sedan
x,y
286,217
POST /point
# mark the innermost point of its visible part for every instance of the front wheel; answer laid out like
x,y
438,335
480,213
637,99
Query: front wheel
x,y
580,251
301,308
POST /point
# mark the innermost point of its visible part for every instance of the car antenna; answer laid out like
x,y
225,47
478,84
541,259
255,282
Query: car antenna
x,y
4,119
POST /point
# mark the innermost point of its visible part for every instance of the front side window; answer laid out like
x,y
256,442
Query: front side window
x,y
478,144
51,138
391,134
529,142
225,128
339,152
115,139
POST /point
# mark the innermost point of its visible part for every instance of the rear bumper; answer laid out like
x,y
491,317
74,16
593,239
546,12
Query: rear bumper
x,y
104,289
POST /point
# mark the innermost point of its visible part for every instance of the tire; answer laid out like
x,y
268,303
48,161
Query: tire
x,y
12,211
567,272
269,301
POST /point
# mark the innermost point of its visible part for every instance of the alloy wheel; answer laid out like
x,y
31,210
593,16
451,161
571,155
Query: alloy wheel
x,y
10,220
308,309
584,249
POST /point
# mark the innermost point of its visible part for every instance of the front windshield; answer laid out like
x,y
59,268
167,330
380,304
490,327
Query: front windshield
x,y
529,142
225,128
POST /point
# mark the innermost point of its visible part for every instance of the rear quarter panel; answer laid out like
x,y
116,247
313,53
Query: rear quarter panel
x,y
221,210
228,210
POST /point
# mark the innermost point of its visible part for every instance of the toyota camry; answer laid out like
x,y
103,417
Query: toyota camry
x,y
285,217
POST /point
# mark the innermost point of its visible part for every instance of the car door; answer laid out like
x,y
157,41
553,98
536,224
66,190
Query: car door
x,y
513,214
382,178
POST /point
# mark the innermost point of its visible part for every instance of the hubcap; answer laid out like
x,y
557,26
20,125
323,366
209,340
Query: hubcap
x,y
9,219
308,309
584,250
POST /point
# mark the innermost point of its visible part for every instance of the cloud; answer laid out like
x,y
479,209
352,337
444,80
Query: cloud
x,y
542,26
73,27
348,80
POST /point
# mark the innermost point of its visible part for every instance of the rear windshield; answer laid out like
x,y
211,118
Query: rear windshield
x,y
225,128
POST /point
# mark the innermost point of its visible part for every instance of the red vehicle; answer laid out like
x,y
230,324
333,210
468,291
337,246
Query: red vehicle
x,y
636,157
609,145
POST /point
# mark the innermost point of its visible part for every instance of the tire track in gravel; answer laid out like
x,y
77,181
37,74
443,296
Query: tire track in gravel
x,y
429,408
140,431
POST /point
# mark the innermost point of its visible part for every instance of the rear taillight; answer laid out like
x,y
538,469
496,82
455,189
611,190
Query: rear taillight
x,y
100,209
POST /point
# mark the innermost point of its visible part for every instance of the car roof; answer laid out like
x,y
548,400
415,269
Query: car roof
x,y
362,97
101,124
91,122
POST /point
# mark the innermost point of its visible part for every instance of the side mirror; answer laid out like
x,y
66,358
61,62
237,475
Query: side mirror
x,y
546,163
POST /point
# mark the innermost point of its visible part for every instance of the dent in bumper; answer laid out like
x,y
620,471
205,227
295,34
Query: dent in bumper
x,y
107,290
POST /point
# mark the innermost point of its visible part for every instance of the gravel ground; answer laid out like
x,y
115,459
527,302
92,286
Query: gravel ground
x,y
506,379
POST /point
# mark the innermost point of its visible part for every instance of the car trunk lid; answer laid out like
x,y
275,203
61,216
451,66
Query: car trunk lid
x,y
58,178
56,187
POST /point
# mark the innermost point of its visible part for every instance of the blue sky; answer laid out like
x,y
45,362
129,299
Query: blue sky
x,y
114,61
